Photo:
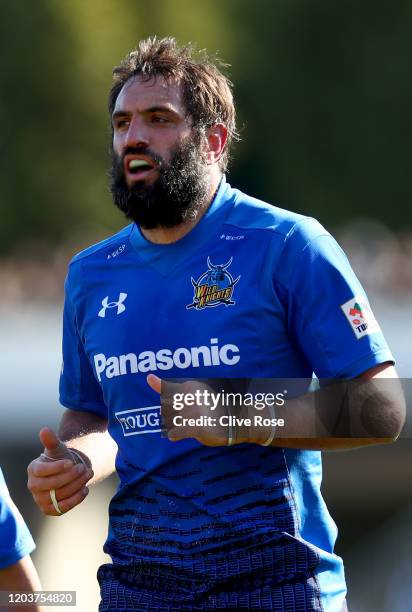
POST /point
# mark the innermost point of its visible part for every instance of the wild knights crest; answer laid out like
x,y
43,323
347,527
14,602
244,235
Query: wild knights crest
x,y
214,287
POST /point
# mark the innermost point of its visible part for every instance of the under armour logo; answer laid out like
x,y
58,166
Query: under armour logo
x,y
119,304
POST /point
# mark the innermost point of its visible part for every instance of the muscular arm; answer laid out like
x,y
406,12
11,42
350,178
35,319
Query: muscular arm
x,y
373,414
366,411
87,434
21,576
349,414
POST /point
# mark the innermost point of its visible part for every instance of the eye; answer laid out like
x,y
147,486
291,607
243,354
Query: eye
x,y
159,119
121,123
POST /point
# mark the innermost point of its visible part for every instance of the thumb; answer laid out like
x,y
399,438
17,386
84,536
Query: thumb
x,y
154,382
53,446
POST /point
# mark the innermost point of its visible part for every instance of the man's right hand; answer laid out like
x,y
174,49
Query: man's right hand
x,y
56,469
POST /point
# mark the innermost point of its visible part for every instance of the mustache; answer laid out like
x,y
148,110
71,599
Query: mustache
x,y
157,159
173,197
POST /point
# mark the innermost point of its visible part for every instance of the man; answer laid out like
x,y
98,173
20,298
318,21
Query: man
x,y
206,282
17,572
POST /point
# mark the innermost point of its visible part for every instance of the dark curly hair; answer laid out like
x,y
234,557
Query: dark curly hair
x,y
206,91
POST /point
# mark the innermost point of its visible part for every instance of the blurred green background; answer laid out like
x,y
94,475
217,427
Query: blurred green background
x,y
323,91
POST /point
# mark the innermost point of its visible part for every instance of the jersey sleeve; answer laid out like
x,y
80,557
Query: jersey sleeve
x,y
15,539
79,389
328,312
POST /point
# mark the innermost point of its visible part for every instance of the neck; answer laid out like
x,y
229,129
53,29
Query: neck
x,y
167,235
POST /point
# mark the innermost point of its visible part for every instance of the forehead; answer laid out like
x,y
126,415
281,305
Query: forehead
x,y
138,94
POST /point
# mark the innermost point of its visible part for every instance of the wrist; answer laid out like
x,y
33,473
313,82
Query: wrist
x,y
266,426
243,431
253,427
79,457
270,437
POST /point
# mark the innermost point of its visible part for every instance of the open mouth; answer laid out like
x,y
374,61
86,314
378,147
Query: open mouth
x,y
138,167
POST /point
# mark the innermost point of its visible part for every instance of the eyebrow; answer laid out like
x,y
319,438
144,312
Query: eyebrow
x,y
151,109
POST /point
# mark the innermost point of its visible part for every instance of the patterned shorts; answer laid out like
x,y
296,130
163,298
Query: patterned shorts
x,y
126,589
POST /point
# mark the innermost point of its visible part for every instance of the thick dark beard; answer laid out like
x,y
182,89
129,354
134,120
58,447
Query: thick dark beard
x,y
175,197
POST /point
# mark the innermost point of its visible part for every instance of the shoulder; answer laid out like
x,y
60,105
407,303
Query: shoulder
x,y
104,247
250,213
89,259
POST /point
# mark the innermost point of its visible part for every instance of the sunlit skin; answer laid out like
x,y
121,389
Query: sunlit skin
x,y
150,115
213,436
21,576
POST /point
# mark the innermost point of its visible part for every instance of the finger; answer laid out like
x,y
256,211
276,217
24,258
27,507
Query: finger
x,y
175,434
154,382
43,499
49,439
41,468
73,487
181,433
56,481
66,504
53,446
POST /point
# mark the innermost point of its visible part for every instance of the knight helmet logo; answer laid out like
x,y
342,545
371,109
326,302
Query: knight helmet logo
x,y
214,287
119,305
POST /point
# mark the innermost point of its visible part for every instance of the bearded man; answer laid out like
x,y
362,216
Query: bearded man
x,y
205,282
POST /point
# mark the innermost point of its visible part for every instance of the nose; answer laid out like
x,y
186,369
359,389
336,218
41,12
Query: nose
x,y
137,135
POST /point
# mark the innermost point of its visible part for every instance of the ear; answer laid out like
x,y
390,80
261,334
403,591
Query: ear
x,y
216,138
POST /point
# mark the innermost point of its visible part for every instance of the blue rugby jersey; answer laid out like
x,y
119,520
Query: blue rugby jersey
x,y
15,539
251,291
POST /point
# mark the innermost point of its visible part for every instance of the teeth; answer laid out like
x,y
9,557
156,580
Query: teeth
x,y
138,163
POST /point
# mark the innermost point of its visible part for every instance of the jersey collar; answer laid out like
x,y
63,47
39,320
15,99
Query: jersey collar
x,y
165,256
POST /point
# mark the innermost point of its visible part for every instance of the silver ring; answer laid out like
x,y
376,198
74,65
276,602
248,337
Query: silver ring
x,y
54,501
272,434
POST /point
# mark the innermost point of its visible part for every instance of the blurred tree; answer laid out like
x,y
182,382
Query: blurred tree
x,y
326,89
323,90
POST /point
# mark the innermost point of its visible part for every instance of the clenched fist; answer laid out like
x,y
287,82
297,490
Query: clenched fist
x,y
57,473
